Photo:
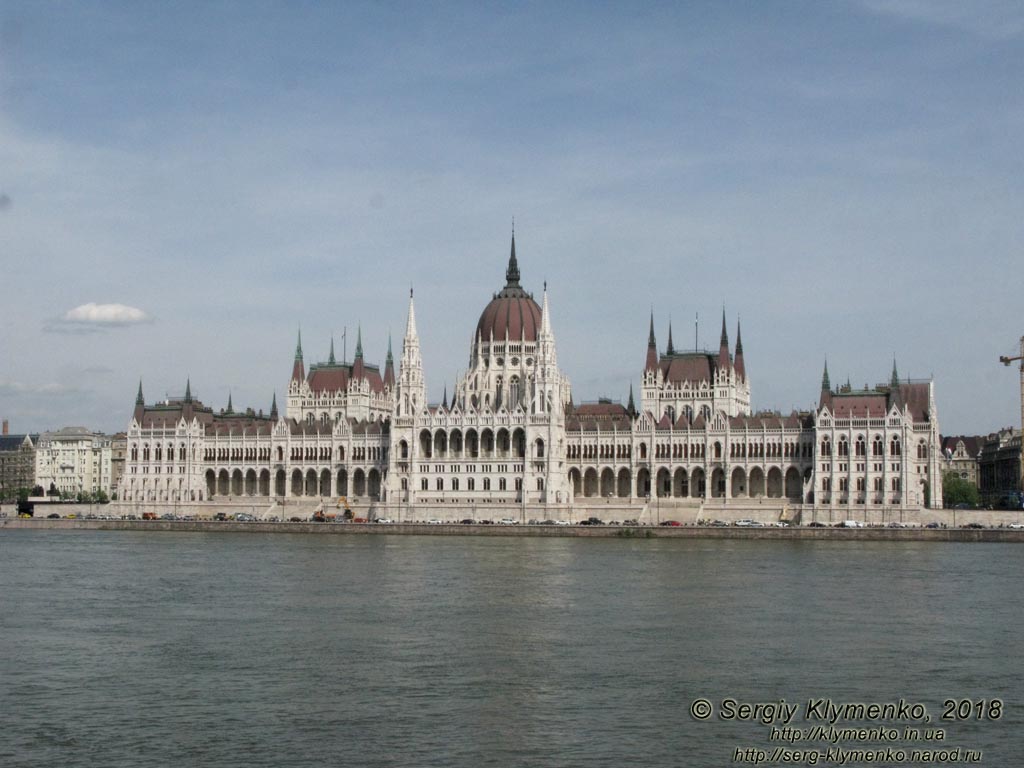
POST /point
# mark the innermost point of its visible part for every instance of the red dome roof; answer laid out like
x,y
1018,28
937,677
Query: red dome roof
x,y
512,310
519,315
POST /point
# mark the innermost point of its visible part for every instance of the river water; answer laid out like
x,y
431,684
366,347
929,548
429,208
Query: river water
x,y
221,649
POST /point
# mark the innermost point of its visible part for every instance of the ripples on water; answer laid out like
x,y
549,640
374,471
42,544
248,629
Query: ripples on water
x,y
135,649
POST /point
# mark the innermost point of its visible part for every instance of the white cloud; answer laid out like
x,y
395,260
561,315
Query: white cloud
x,y
106,315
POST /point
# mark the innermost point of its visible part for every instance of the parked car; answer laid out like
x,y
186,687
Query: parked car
x,y
670,523
433,521
468,521
745,523
719,524
508,521
294,519
974,525
630,522
384,520
53,516
816,524
932,525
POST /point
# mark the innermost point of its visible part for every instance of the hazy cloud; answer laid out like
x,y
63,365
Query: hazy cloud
x,y
106,315
5,201
998,19
13,388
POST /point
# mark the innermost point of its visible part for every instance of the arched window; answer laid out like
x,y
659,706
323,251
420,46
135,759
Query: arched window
x,y
487,483
826,447
877,446
540,483
424,484
894,446
844,448
540,448
455,483
471,484
513,392
860,447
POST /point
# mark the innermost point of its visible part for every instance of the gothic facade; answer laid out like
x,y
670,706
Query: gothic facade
x,y
511,437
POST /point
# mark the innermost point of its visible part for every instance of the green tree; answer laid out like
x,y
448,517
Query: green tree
x,y
956,490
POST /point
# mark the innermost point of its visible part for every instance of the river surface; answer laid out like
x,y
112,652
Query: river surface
x,y
233,649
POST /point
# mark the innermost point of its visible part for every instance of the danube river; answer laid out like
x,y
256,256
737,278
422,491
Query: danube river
x,y
221,649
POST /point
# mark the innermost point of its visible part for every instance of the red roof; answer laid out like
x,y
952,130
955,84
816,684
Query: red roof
x,y
518,315
693,367
332,378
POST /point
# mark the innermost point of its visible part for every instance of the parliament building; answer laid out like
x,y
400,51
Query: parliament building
x,y
510,441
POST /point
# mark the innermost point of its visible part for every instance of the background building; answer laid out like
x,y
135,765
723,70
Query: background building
x,y
999,465
73,460
960,456
17,463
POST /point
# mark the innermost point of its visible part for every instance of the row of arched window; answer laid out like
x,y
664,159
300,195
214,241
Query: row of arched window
x,y
455,485
157,452
877,447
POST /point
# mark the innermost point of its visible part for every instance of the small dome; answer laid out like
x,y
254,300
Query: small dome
x,y
511,311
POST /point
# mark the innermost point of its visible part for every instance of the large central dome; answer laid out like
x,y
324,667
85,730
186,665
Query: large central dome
x,y
512,310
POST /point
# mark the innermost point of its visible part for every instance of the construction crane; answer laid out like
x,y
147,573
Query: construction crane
x,y
1006,360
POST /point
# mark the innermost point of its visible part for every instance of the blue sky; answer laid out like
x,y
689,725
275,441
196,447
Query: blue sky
x,y
844,177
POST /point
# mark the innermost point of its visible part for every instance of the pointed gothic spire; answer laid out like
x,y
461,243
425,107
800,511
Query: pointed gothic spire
x,y
230,410
298,368
671,348
545,314
652,348
273,406
723,346
444,400
895,381
188,390
512,273
330,357
139,399
826,385
389,367
741,370
410,324
631,405
359,343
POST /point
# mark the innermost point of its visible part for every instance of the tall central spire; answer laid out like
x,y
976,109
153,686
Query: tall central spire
x,y
512,273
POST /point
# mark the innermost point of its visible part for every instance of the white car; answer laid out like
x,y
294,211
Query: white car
x,y
562,522
507,521
433,521
1016,526
387,520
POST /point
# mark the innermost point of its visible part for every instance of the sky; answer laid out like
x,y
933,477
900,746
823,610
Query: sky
x,y
183,186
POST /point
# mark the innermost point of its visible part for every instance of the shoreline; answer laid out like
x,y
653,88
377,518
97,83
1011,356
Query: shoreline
x,y
803,533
